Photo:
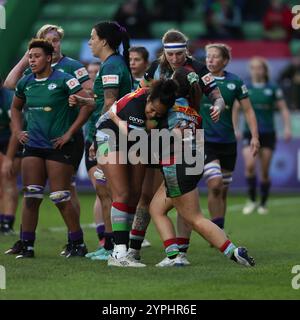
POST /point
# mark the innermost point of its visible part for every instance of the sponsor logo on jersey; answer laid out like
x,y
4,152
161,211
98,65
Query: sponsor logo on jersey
x,y
110,79
231,86
47,109
52,86
268,92
80,73
244,89
72,83
208,78
136,120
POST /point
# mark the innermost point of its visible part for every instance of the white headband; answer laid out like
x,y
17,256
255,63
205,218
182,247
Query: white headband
x,y
176,46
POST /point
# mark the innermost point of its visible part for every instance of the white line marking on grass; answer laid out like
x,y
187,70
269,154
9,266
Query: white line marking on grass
x,y
272,203
64,229
233,208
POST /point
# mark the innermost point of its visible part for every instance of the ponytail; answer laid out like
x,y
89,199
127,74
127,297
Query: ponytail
x,y
115,34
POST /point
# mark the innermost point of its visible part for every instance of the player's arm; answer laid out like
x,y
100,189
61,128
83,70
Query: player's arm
x,y
7,165
16,73
81,99
218,104
84,113
88,87
121,124
110,96
252,123
17,119
235,118
283,108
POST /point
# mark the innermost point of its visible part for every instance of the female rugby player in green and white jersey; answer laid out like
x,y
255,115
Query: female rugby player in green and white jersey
x,y
54,34
112,82
49,145
265,98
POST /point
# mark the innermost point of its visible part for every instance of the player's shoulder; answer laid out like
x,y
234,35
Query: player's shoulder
x,y
68,61
196,65
27,78
272,85
229,76
61,75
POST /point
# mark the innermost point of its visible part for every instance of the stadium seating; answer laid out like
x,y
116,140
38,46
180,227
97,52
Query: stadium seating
x,y
253,30
95,11
77,18
160,27
193,29
71,47
55,10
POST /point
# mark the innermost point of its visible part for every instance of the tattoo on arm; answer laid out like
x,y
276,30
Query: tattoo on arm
x,y
110,96
216,98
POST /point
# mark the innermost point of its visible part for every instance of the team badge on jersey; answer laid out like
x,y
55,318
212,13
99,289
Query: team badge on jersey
x,y
52,86
80,73
244,89
208,78
231,86
72,83
110,79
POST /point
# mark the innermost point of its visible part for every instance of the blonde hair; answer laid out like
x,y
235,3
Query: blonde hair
x,y
41,34
224,49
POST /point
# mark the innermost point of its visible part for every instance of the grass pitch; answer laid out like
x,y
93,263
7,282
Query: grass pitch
x,y
273,240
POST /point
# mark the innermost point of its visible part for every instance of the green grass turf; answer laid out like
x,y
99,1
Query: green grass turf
x,y
272,239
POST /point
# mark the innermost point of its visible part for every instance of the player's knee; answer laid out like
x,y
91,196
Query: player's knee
x,y
197,224
34,191
60,196
215,188
227,179
212,172
144,200
33,195
122,196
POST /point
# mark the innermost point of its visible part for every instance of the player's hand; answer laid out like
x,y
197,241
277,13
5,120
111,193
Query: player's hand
x,y
22,136
112,112
58,143
215,112
7,169
254,146
75,100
